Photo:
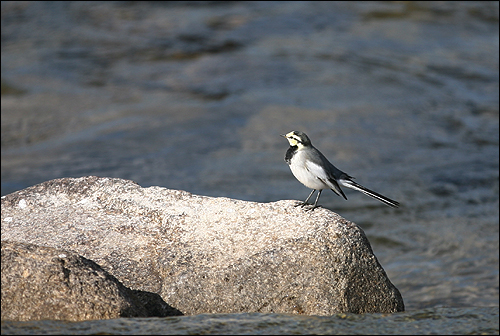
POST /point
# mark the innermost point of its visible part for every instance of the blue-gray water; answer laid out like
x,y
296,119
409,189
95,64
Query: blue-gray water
x,y
438,321
193,96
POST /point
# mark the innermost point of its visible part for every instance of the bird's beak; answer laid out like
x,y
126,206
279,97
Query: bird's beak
x,y
283,135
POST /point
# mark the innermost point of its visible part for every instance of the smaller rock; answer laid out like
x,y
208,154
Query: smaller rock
x,y
41,283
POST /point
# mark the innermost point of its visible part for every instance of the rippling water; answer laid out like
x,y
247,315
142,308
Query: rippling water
x,y
193,96
468,321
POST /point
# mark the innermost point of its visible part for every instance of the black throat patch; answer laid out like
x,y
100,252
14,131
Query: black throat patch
x,y
289,153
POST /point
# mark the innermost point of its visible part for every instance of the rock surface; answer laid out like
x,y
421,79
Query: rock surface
x,y
40,283
204,254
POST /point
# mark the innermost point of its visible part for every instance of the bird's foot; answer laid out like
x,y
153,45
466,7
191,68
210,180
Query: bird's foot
x,y
311,207
307,206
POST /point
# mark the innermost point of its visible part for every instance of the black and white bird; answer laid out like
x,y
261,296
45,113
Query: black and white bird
x,y
314,171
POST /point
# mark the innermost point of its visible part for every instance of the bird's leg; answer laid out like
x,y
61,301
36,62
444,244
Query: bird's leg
x,y
302,204
313,206
315,203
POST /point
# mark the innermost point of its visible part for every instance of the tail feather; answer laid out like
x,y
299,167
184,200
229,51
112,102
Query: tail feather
x,y
356,186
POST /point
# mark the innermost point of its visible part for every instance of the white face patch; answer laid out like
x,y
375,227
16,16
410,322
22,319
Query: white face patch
x,y
293,139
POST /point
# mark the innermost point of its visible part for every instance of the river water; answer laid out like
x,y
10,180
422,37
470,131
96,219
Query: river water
x,y
193,96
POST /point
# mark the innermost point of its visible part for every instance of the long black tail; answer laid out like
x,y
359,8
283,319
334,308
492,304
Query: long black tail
x,y
356,186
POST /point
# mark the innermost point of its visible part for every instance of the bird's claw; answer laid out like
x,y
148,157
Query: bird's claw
x,y
307,206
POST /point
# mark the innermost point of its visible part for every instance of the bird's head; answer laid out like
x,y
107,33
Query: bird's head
x,y
297,138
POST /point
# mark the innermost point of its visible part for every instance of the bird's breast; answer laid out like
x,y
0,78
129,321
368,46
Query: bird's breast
x,y
303,174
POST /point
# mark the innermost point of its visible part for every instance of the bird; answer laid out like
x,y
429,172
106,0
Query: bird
x,y
313,170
